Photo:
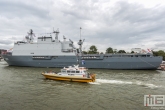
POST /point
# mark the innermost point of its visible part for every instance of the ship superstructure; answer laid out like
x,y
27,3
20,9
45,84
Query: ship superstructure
x,y
49,52
45,46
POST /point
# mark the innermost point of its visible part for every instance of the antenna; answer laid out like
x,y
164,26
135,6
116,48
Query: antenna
x,y
80,43
71,41
30,34
64,37
80,33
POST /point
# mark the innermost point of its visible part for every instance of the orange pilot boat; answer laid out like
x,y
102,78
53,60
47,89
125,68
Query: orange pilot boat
x,y
71,73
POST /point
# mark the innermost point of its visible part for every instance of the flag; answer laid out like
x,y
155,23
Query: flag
x,y
149,50
3,52
10,50
83,62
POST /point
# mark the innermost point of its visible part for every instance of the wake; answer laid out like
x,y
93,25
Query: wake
x,y
106,81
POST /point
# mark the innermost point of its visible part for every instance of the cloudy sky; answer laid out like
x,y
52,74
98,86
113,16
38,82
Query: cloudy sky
x,y
120,24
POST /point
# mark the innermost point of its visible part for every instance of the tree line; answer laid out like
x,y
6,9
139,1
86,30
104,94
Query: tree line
x,y
159,53
93,50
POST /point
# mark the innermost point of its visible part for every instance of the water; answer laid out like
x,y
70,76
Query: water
x,y
24,88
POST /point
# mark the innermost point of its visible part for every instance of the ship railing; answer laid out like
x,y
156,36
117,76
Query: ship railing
x,y
67,50
6,53
20,42
90,55
9,53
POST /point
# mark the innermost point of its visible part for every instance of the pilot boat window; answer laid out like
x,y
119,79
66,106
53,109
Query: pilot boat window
x,y
68,71
77,71
72,71
63,71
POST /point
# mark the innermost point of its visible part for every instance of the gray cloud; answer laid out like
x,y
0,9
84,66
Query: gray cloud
x,y
7,42
121,25
160,44
21,9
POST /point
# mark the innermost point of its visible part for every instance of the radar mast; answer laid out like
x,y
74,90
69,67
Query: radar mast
x,y
80,43
56,34
30,37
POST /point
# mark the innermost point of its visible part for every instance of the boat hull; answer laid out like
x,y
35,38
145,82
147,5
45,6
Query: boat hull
x,y
129,63
69,78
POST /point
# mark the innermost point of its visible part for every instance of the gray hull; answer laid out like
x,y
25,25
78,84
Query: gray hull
x,y
101,62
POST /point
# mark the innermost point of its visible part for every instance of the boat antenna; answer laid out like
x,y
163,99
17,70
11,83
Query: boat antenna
x,y
80,33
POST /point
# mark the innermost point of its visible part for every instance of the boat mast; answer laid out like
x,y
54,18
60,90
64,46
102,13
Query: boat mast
x,y
80,43
30,34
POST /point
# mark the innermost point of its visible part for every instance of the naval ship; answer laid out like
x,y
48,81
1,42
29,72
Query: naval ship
x,y
49,51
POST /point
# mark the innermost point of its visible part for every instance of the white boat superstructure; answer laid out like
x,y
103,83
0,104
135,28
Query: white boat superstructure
x,y
74,71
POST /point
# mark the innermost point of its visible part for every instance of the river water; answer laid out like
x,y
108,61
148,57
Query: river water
x,y
24,88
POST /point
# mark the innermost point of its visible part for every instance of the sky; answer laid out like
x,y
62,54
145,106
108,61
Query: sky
x,y
120,24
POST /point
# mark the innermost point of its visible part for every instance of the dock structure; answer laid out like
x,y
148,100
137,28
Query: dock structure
x,y
0,57
1,52
162,66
